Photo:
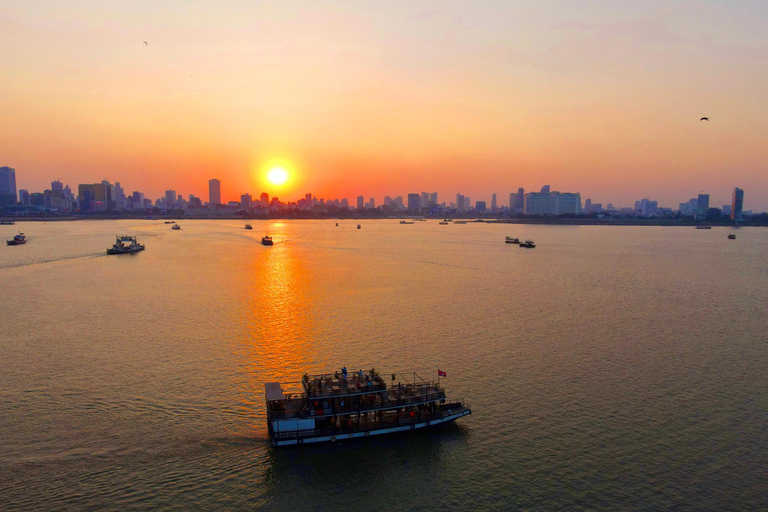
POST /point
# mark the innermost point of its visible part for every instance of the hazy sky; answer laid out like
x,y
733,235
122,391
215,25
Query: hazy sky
x,y
375,98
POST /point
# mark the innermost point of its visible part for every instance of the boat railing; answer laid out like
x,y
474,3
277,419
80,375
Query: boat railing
x,y
383,421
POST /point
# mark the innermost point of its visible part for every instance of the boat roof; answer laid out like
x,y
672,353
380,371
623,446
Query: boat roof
x,y
274,391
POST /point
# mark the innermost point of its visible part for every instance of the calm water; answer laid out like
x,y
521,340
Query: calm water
x,y
609,368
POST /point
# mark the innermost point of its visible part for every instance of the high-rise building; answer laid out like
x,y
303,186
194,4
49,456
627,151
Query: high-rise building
x,y
24,196
170,198
737,203
424,200
372,204
57,186
414,201
360,202
7,186
480,206
387,201
214,191
459,201
517,201
588,205
493,202
433,199
264,200
702,204
245,201
467,203
552,203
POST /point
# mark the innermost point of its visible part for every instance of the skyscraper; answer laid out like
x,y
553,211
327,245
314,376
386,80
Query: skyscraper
x,y
245,201
459,201
214,191
433,199
360,202
264,199
424,200
493,202
170,198
737,203
702,204
414,201
57,186
7,186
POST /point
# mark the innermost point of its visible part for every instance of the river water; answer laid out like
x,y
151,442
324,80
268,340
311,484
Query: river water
x,y
609,368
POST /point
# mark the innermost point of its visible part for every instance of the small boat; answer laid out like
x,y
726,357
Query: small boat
x,y
170,222
703,227
406,222
121,248
337,406
443,223
358,226
459,222
528,244
512,240
7,223
248,226
176,226
337,224
18,239
731,237
266,240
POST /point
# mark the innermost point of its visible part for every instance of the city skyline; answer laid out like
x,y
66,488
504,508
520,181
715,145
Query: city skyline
x,y
377,99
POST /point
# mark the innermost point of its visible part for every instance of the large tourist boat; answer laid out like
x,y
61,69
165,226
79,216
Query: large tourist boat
x,y
334,406
18,239
121,248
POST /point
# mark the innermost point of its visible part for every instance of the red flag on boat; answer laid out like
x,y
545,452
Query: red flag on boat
x,y
441,373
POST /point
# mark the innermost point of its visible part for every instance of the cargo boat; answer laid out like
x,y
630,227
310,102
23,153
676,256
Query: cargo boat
x,y
335,406
121,248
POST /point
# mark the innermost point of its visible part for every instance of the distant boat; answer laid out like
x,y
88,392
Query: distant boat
x,y
730,237
176,227
170,222
358,226
121,248
443,223
248,226
703,227
337,224
18,239
512,240
7,223
406,222
266,240
459,222
528,244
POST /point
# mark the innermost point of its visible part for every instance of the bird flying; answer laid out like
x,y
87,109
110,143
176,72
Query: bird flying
x,y
704,119
145,43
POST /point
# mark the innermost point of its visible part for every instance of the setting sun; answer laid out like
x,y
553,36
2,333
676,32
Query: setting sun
x,y
277,176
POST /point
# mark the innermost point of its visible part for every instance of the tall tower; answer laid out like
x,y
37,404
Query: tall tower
x,y
7,186
493,202
737,203
214,191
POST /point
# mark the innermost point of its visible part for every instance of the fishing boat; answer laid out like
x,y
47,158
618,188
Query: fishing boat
x,y
18,239
528,244
337,406
731,237
248,226
120,246
512,240
266,240
176,227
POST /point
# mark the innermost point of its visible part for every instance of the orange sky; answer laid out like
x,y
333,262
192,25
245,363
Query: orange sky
x,y
371,98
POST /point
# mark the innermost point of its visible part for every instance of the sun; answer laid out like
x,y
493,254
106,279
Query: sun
x,y
277,176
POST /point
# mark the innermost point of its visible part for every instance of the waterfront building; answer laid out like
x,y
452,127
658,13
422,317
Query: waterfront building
x,y
552,203
24,197
737,203
7,186
214,192
588,206
459,201
467,203
360,202
414,201
480,206
433,199
264,199
648,208
702,204
57,186
170,198
372,203
493,203
726,209
387,201
519,200
246,201
424,200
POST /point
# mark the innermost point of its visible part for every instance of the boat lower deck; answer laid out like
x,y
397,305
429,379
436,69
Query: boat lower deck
x,y
371,424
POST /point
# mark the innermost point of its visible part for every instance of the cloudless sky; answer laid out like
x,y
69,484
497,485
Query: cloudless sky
x,y
386,98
